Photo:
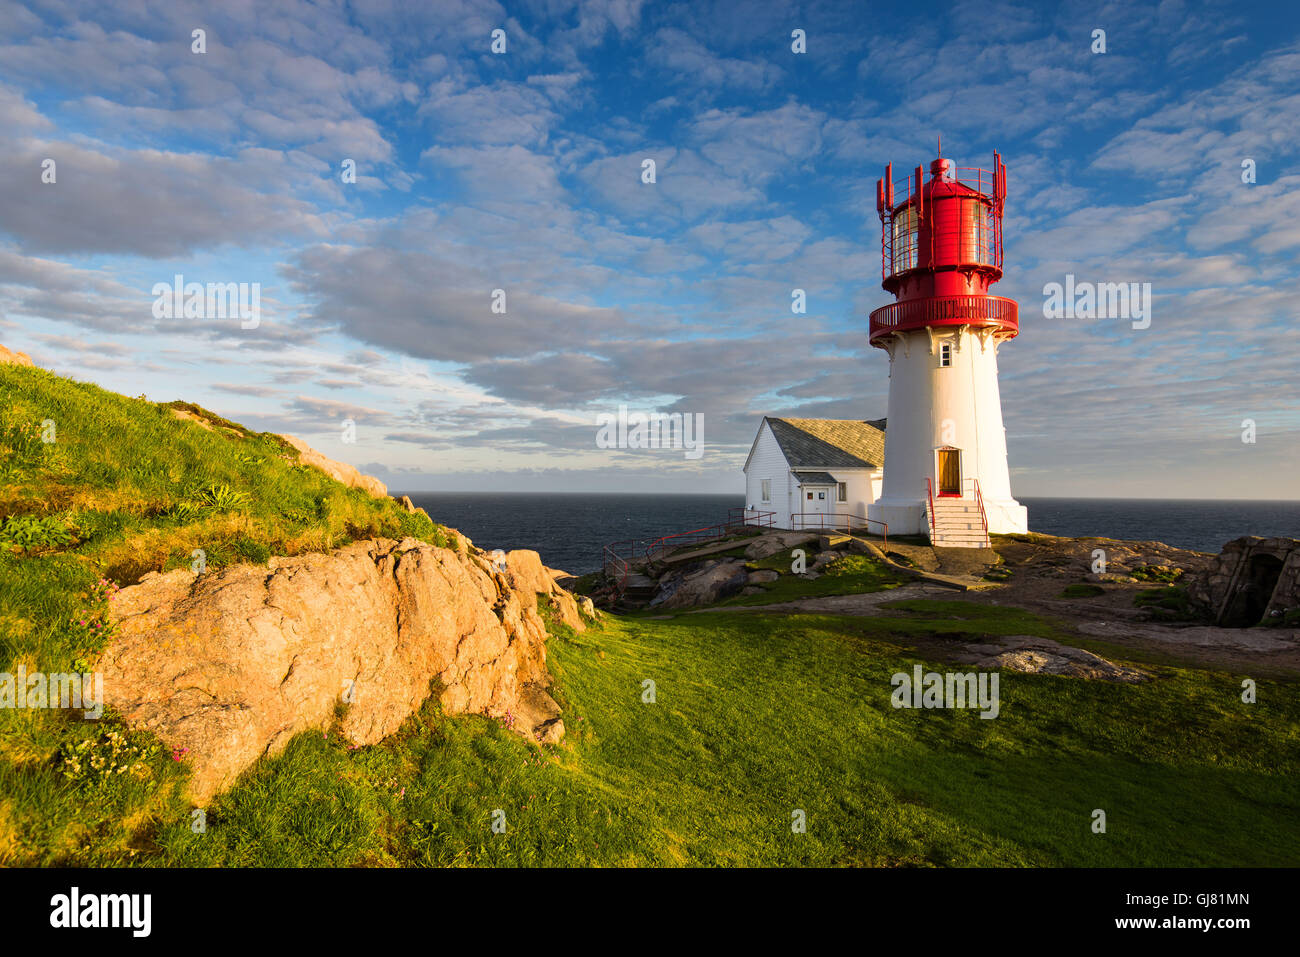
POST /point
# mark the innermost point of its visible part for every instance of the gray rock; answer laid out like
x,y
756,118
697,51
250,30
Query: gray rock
x,y
762,575
707,584
764,547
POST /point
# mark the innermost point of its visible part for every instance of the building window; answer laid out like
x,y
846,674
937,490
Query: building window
x,y
945,354
767,490
842,492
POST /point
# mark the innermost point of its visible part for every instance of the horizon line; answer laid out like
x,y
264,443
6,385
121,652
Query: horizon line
x,y
1062,498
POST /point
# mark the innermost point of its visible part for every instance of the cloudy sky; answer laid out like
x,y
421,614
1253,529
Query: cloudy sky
x,y
522,171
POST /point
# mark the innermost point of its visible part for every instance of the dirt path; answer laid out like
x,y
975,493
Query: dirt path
x,y
867,603
1110,617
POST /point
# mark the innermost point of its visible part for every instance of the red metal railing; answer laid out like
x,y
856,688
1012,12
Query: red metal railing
x,y
929,493
976,494
618,557
616,566
946,311
736,518
838,520
979,500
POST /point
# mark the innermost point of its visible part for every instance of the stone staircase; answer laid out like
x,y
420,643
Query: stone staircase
x,y
958,523
640,589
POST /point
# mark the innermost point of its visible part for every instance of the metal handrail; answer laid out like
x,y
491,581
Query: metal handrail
x,y
976,495
945,311
741,515
800,519
929,491
979,500
657,548
610,557
620,555
981,182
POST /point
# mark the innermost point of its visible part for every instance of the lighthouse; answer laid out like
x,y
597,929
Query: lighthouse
x,y
945,460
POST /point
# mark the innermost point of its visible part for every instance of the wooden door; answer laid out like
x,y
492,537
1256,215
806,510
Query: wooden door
x,y
950,472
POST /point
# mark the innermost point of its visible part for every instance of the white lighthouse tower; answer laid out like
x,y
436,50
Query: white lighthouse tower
x,y
945,471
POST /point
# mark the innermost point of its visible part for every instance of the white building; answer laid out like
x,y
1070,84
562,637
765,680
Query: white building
x,y
815,473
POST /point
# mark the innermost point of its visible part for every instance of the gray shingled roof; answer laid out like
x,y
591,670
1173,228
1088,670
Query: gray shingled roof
x,y
816,478
830,443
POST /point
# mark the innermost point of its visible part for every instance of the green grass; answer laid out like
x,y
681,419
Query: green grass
x,y
126,488
756,717
1082,590
1167,604
1156,573
849,575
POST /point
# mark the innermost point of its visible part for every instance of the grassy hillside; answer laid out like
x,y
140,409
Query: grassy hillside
x,y
124,487
756,716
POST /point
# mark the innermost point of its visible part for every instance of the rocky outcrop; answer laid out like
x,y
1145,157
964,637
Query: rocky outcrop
x,y
187,416
339,471
8,357
1042,656
228,666
773,543
702,585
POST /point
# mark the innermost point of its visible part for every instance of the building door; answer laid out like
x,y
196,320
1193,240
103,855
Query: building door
x,y
950,472
817,500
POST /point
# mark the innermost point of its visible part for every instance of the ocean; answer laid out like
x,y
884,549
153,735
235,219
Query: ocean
x,y
570,529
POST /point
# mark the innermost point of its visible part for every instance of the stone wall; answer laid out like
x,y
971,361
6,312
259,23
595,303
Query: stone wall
x,y
1252,581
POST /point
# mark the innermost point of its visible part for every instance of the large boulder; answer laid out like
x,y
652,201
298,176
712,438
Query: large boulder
x,y
1042,656
539,713
703,585
228,666
773,543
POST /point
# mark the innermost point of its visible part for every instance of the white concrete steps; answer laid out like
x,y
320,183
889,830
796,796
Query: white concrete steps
x,y
958,524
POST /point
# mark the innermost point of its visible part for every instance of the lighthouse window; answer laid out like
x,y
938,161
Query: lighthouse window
x,y
767,490
842,492
905,240
976,241
945,354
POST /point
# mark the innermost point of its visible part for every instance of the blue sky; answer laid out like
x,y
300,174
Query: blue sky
x,y
522,171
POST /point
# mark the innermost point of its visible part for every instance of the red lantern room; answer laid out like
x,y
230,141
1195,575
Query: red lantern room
x,y
941,250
